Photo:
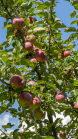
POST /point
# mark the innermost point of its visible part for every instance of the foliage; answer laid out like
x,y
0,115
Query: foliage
x,y
49,75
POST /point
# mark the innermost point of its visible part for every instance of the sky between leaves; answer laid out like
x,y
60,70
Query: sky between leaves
x,y
63,11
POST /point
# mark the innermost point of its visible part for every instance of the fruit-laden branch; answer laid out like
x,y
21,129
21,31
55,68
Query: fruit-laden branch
x,y
6,9
53,127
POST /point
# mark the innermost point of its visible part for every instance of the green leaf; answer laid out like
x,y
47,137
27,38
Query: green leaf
x,y
31,11
60,82
73,13
39,30
75,83
77,16
5,57
70,29
77,99
74,22
7,26
9,125
59,25
67,0
48,137
76,92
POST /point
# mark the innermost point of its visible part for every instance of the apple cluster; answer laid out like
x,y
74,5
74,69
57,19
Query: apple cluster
x,y
25,99
18,23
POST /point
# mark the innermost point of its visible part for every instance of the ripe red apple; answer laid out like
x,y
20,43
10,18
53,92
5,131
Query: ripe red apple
x,y
30,38
76,105
40,56
24,99
17,81
35,103
28,46
62,135
35,48
33,60
38,114
31,82
18,23
17,33
30,19
60,97
66,53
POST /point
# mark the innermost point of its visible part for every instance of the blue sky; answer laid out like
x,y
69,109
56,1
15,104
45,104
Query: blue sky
x,y
63,11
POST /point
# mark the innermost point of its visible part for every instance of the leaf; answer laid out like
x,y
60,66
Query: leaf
x,y
9,125
75,4
73,13
77,99
31,11
74,22
67,0
75,83
60,82
76,92
39,30
70,29
7,26
59,25
48,137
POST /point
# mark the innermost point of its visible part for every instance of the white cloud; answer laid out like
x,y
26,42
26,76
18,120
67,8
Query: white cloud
x,y
5,119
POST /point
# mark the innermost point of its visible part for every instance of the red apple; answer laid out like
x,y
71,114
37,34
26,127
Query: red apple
x,y
17,81
28,46
40,56
30,38
31,82
24,99
62,135
33,60
76,105
18,23
60,97
30,19
66,53
38,114
35,103
35,48
17,33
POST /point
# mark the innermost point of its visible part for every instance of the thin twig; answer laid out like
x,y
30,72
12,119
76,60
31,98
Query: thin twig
x,y
3,132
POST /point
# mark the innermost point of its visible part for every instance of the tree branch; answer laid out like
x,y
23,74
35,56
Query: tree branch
x,y
4,82
53,127
3,132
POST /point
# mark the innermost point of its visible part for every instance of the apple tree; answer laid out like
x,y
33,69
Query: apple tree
x,y
39,70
